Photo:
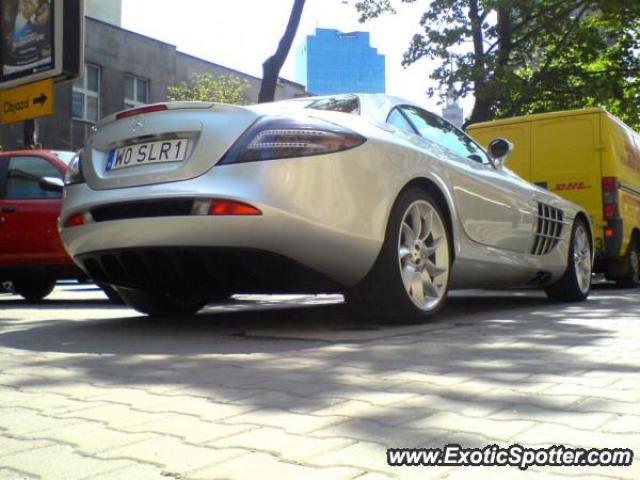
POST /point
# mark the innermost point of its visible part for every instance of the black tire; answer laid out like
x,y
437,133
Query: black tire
x,y
33,290
111,293
162,304
631,279
568,288
381,297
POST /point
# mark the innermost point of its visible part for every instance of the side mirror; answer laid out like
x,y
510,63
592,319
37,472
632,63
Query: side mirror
x,y
51,184
499,149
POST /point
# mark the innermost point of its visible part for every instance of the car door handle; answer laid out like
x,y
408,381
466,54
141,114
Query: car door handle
x,y
8,209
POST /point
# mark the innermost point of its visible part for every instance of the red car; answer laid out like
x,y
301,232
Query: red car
x,y
31,254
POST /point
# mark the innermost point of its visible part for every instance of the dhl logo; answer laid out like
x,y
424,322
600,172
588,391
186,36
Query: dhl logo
x,y
571,186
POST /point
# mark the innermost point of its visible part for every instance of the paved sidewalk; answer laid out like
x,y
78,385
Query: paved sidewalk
x,y
252,390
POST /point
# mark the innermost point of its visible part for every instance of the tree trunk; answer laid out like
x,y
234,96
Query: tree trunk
x,y
482,105
481,108
271,67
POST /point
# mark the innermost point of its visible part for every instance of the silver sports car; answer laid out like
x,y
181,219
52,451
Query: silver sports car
x,y
179,204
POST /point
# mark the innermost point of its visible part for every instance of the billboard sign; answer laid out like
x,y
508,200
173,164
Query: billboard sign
x,y
40,39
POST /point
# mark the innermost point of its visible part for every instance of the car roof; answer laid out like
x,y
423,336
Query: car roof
x,y
30,152
373,106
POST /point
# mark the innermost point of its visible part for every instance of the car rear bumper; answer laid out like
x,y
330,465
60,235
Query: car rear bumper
x,y
314,213
238,270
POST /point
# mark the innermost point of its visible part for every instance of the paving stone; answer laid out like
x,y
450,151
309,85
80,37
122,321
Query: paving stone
x,y
200,407
259,399
471,406
599,392
391,436
59,462
191,429
374,476
10,445
145,403
561,435
9,474
133,471
368,456
259,465
623,424
25,421
170,454
498,473
290,447
576,419
288,421
43,401
91,438
499,430
116,416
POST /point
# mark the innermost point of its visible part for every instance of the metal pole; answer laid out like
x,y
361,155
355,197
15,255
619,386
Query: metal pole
x,y
30,133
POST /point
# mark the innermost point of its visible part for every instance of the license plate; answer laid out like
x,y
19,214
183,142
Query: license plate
x,y
163,151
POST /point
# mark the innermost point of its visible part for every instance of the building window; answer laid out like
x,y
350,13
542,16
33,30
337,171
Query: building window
x,y
86,95
136,91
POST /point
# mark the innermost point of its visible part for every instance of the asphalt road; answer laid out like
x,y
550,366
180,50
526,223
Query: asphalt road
x,y
291,386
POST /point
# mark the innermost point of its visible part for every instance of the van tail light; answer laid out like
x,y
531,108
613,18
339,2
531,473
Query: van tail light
x,y
610,186
160,107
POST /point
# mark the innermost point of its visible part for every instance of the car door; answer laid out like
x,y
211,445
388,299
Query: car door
x,y
494,207
28,213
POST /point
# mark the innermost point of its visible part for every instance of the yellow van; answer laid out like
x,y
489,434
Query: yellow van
x,y
592,158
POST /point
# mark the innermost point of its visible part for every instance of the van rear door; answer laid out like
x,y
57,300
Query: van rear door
x,y
566,158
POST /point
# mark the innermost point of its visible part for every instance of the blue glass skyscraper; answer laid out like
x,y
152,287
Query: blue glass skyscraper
x,y
331,61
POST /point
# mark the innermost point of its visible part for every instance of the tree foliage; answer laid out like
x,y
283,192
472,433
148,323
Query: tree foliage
x,y
204,87
527,56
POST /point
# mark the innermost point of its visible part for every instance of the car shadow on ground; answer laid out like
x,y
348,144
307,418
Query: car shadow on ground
x,y
485,351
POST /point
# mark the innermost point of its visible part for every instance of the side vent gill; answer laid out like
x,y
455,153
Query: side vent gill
x,y
548,229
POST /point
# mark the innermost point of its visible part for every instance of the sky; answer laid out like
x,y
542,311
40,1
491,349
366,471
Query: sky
x,y
242,34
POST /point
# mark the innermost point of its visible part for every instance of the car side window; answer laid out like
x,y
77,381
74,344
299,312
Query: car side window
x,y
344,104
443,133
23,177
398,120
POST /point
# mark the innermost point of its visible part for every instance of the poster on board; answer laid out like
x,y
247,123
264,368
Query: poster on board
x,y
28,36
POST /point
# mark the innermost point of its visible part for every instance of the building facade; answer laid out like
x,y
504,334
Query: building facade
x,y
122,69
331,62
453,111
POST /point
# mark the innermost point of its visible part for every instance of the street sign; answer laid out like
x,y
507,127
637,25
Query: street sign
x,y
26,102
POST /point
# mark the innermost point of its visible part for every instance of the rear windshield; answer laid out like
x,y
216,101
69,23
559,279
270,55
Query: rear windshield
x,y
65,156
345,104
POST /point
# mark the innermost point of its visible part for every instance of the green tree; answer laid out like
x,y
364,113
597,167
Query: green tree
x,y
204,87
527,56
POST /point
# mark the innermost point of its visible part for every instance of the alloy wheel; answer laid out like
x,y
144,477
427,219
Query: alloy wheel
x,y
423,255
582,258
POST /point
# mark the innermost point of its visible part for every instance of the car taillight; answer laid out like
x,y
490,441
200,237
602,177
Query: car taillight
x,y
610,187
141,111
288,137
74,220
230,207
